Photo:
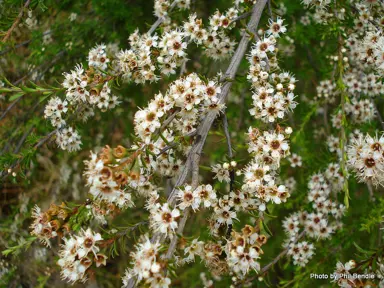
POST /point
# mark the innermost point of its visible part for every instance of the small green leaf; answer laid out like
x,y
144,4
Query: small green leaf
x,y
16,96
266,228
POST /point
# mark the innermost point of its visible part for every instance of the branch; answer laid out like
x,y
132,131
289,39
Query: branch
x,y
160,20
49,65
18,18
38,144
273,262
21,142
282,254
174,144
270,9
378,115
242,16
227,136
24,43
232,171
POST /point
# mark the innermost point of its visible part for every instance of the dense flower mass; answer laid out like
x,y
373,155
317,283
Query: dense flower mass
x,y
245,250
147,265
78,254
217,138
187,98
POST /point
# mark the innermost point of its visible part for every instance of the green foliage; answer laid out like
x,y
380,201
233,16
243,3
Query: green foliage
x,y
374,217
22,246
81,217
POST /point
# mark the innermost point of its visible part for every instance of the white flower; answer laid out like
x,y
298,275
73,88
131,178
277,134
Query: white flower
x,y
195,248
188,198
276,27
207,195
224,215
86,242
222,174
164,219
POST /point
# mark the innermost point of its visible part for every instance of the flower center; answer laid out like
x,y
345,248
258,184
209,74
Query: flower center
x,y
167,217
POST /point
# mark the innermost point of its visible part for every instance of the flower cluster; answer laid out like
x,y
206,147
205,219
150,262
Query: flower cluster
x,y
97,57
357,111
78,253
366,158
162,7
85,90
318,3
68,139
55,111
244,250
327,91
147,265
301,252
317,224
367,39
273,94
42,226
107,177
51,223
360,111
89,89
188,97
203,194
241,252
260,176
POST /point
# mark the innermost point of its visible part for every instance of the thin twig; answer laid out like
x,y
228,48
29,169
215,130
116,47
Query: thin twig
x,y
24,43
160,20
378,115
18,18
242,107
49,65
183,68
273,262
168,120
38,144
270,9
370,189
232,171
21,142
174,144
242,16
227,136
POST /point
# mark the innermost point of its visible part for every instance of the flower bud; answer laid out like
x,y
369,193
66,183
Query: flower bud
x,y
55,225
106,155
119,152
121,177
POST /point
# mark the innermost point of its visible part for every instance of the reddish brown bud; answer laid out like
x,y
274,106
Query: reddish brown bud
x,y
119,152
